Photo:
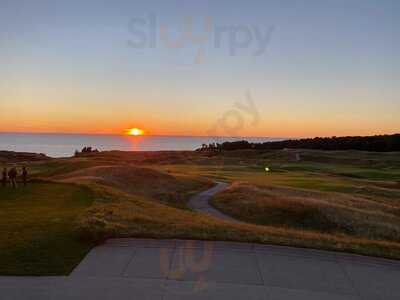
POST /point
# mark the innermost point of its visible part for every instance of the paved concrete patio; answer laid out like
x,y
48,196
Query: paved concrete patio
x,y
176,269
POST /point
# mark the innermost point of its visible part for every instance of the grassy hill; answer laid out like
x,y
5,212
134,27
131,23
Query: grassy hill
x,y
38,233
342,200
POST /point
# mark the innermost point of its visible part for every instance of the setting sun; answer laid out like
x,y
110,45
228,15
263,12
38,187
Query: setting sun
x,y
134,131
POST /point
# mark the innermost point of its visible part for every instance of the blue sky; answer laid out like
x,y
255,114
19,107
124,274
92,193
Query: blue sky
x,y
329,68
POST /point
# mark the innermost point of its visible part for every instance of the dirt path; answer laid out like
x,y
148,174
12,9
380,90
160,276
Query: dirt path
x,y
200,202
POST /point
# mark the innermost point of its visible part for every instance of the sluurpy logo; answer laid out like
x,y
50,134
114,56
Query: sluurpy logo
x,y
189,259
233,120
242,114
150,32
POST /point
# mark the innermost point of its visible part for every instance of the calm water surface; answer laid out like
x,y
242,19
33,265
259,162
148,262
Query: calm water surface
x,y
64,145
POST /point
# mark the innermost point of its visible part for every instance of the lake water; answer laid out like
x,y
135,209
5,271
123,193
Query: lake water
x,y
64,145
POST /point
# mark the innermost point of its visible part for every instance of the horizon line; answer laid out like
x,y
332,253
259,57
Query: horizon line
x,y
178,135
150,135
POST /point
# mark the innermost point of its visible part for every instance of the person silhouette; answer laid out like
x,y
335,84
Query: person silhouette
x,y
12,175
4,177
24,176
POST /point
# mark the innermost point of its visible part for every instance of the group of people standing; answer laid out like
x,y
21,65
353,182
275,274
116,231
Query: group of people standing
x,y
11,176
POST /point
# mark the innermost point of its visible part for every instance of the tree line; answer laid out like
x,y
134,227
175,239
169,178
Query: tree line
x,y
86,150
377,143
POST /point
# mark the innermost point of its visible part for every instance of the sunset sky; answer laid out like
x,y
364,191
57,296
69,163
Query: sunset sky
x,y
329,67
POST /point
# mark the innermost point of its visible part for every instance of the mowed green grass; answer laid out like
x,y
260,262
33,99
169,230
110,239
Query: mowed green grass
x,y
38,230
314,176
